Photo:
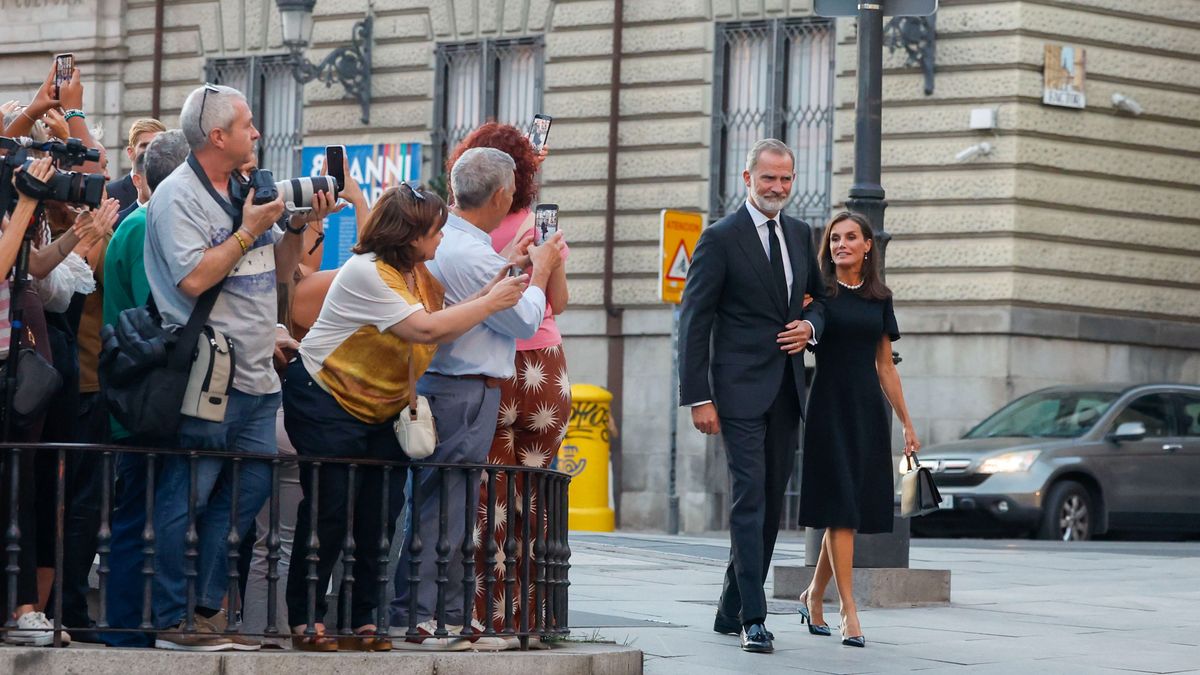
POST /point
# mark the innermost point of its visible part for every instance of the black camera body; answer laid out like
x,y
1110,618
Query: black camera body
x,y
70,187
263,182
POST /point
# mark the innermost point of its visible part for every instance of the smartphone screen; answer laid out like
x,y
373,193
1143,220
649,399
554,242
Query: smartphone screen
x,y
64,64
541,131
335,156
545,223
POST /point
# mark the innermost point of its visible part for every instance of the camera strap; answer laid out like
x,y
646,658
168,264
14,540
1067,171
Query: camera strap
x,y
181,356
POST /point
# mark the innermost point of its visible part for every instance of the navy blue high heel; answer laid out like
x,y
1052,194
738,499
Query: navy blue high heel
x,y
806,618
852,641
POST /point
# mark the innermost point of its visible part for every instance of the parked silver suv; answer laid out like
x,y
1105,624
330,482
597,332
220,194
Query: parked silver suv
x,y
1072,462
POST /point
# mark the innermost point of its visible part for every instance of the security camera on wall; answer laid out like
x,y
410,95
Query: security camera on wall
x,y
1125,104
979,149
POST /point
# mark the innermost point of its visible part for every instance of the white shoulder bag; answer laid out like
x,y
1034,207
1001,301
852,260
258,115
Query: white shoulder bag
x,y
415,427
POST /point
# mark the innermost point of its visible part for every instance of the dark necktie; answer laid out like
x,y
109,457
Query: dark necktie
x,y
777,274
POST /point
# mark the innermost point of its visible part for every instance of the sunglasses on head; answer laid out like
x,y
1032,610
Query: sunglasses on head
x,y
208,88
414,192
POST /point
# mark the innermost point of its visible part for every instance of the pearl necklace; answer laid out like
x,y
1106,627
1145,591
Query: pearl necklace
x,y
855,287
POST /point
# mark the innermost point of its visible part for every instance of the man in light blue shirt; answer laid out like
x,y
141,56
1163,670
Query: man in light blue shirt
x,y
462,385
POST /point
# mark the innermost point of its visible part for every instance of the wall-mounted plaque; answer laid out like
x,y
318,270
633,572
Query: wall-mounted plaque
x,y
1063,71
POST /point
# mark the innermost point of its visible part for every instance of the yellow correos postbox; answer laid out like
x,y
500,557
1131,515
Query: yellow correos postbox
x,y
584,455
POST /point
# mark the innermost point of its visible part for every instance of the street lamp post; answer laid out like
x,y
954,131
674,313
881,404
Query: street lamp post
x,y
867,194
349,65
886,554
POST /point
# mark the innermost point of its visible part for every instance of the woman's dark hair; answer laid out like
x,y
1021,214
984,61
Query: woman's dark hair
x,y
873,286
515,144
401,216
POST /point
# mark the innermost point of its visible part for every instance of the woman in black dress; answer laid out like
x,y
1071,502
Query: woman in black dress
x,y
847,484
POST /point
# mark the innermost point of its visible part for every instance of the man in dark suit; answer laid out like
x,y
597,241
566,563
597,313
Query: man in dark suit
x,y
141,132
745,297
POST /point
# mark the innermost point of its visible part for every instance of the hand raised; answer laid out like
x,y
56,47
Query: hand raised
x,y
549,254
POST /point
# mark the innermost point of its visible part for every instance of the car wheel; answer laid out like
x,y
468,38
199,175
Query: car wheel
x,y
1068,513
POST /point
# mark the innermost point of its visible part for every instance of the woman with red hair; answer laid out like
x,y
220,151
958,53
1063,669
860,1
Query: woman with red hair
x,y
535,403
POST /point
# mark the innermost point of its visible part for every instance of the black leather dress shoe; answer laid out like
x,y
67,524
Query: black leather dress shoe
x,y
755,638
726,626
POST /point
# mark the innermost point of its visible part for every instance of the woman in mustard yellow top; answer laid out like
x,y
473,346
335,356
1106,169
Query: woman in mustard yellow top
x,y
349,384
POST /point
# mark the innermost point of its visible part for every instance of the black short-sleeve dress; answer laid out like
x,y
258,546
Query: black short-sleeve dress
x,y
847,476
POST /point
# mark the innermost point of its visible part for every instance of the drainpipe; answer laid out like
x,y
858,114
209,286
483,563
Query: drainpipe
x,y
613,314
155,100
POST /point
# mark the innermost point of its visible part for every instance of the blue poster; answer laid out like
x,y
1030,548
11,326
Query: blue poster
x,y
375,168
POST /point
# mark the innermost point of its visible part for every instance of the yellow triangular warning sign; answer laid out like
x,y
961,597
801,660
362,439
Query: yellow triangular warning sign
x,y
679,264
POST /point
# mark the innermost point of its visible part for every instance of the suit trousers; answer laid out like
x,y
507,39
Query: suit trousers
x,y
761,452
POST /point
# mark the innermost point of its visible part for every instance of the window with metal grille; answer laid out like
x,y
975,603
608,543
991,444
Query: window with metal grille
x,y
274,98
484,80
774,79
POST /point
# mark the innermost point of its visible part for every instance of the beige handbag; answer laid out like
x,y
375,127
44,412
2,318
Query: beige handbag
x,y
415,427
918,493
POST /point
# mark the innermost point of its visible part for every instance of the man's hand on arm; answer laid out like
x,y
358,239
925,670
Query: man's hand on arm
x,y
795,337
704,418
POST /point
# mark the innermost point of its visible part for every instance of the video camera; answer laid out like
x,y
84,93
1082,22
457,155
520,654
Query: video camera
x,y
297,192
71,187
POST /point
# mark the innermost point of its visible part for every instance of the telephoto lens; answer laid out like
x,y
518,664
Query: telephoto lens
x,y
298,192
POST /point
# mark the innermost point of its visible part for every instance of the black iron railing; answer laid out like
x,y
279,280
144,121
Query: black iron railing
x,y
535,589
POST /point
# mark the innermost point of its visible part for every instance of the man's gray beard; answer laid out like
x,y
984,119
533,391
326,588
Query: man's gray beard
x,y
767,204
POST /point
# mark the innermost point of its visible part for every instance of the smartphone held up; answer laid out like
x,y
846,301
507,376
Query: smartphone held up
x,y
545,222
64,65
335,164
540,131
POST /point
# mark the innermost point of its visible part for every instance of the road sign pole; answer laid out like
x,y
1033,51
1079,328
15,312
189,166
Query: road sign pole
x,y
672,483
678,235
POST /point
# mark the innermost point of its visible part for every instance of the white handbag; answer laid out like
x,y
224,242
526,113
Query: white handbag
x,y
415,427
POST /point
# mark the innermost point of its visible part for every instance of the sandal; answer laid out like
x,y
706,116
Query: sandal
x,y
312,643
365,639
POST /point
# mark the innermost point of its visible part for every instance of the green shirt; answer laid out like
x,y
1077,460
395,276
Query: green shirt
x,y
125,284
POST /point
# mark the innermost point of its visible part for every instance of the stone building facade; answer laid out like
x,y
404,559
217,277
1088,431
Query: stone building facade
x,y
1068,254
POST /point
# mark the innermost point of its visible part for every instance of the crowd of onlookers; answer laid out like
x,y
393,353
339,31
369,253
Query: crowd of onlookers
x,y
445,307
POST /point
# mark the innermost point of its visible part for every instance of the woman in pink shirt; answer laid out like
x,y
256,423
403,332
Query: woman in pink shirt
x,y
535,404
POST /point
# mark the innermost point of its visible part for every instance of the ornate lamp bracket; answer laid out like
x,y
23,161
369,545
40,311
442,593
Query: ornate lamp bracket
x,y
350,66
917,36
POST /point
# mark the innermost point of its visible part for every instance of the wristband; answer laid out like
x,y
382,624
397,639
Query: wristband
x,y
28,116
241,242
74,112
295,230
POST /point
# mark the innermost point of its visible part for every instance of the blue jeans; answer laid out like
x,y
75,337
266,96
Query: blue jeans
x,y
125,579
249,427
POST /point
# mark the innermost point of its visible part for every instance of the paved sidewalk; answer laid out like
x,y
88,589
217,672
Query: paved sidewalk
x,y
1017,607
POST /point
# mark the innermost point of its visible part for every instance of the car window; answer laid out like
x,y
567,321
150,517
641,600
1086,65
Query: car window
x,y
1191,415
1056,414
1152,410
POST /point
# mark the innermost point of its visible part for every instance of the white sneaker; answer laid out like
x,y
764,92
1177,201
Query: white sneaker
x,y
490,643
35,630
426,640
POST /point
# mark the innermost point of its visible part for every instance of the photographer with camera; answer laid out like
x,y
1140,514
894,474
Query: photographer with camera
x,y
197,239
33,628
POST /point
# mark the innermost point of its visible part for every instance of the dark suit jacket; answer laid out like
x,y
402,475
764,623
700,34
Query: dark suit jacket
x,y
123,191
124,212
729,300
